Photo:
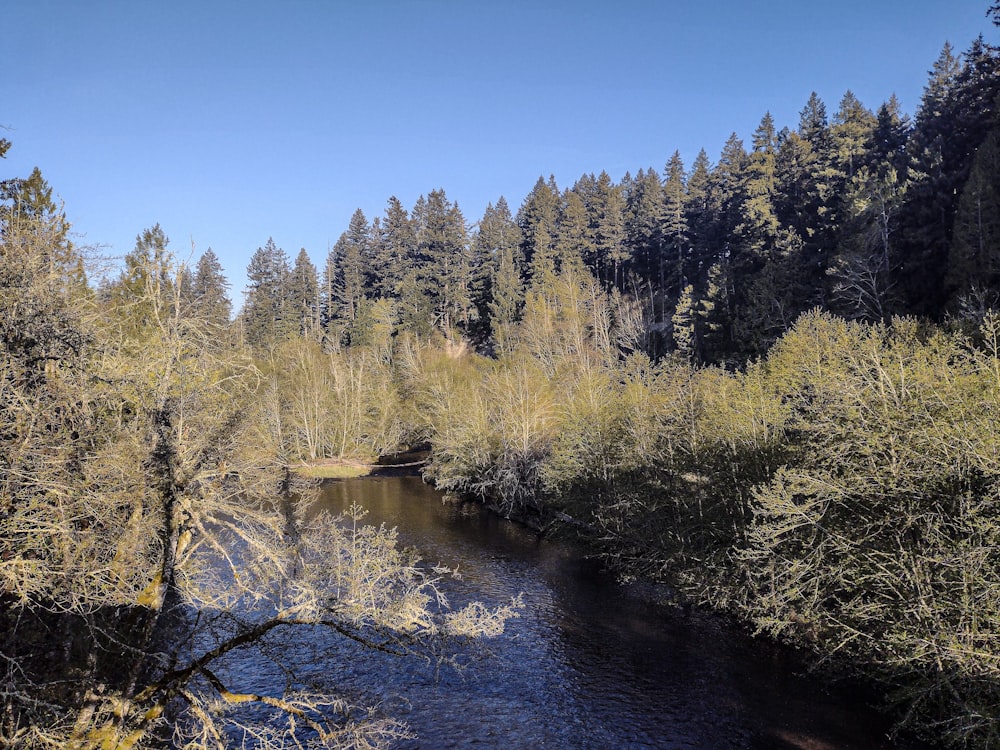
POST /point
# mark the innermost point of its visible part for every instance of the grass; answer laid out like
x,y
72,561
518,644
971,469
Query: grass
x,y
332,469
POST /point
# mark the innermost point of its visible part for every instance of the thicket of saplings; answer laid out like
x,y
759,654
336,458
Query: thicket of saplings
x,y
841,493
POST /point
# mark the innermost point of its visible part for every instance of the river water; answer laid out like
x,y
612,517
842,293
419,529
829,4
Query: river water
x,y
588,664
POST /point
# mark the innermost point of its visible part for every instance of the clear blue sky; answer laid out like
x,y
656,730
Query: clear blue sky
x,y
231,121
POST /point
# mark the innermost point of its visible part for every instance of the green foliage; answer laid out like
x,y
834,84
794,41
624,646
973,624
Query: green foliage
x,y
974,261
876,540
209,291
266,317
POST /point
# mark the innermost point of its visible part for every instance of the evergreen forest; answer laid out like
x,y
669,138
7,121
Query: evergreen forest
x,y
771,380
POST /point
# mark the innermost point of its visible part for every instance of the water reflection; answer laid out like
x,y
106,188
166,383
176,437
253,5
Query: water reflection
x,y
586,666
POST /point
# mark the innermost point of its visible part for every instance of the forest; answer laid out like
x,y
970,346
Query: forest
x,y
771,381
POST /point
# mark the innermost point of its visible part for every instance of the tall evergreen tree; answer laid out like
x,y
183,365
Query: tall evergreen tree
x,y
644,224
146,280
29,202
674,270
265,317
606,218
347,269
814,125
890,137
446,278
974,260
394,250
724,203
572,240
303,296
699,216
537,219
209,290
758,224
497,245
928,213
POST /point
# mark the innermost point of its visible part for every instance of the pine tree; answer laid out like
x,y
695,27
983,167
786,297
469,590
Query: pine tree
x,y
927,216
889,138
685,323
644,224
265,317
394,250
699,217
26,203
572,240
537,220
851,134
146,281
814,125
800,210
758,225
715,314
974,260
209,290
445,279
350,264
498,245
675,268
606,211
725,190
303,296
823,178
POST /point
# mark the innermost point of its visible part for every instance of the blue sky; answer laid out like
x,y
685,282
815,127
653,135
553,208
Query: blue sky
x,y
228,122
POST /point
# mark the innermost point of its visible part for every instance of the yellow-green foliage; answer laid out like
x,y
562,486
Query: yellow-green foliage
x,y
333,404
334,470
844,492
879,537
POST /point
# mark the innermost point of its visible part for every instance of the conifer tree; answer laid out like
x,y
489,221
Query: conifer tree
x,y
303,296
823,179
851,134
685,323
445,278
607,224
644,224
814,125
29,202
674,271
725,187
265,317
209,290
974,260
572,240
929,209
699,216
351,252
146,276
498,246
394,251
889,138
537,220
758,222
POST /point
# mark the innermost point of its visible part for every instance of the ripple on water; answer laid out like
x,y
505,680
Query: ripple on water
x,y
585,666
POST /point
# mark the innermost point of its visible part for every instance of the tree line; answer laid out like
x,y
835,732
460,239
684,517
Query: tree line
x,y
866,213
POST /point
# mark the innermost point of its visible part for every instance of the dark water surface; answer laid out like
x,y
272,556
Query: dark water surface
x,y
587,665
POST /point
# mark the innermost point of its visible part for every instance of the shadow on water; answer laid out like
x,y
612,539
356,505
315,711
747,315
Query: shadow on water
x,y
588,665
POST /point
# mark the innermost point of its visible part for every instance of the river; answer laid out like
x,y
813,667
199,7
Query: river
x,y
588,664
